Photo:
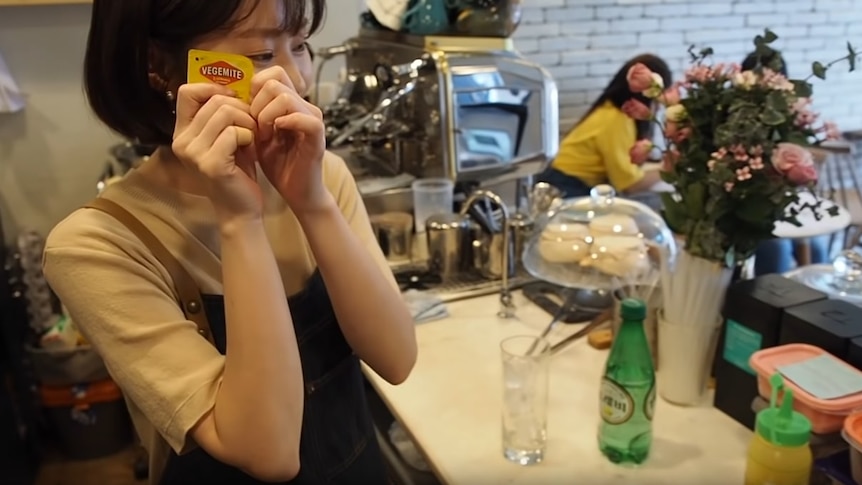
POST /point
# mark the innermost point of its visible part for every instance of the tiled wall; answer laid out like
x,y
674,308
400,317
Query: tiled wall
x,y
584,42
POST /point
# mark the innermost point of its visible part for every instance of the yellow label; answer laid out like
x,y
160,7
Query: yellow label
x,y
231,70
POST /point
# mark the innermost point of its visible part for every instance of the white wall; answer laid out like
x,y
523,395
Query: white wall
x,y
584,42
52,153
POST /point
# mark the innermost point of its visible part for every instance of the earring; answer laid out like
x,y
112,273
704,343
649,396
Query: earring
x,y
169,95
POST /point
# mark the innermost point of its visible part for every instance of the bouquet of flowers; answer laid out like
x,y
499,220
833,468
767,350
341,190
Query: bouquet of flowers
x,y
736,149
737,156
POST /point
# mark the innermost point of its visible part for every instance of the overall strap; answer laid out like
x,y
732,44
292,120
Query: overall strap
x,y
187,290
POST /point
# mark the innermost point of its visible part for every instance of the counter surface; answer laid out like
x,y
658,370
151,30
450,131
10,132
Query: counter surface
x,y
451,406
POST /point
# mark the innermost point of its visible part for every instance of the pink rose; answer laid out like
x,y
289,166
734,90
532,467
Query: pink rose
x,y
636,110
639,78
795,163
671,96
802,175
789,155
639,153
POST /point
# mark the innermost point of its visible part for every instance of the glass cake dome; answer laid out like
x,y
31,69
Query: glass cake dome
x,y
841,280
599,242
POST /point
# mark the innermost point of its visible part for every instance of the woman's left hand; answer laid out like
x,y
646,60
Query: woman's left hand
x,y
290,141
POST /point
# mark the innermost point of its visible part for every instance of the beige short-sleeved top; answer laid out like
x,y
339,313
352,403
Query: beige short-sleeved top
x,y
122,299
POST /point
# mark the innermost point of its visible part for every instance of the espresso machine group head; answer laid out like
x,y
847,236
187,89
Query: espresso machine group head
x,y
457,107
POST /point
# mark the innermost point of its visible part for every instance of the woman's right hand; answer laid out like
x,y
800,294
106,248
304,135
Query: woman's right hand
x,y
213,135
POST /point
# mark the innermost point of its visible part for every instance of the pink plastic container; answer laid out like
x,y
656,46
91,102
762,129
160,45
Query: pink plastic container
x,y
852,434
827,416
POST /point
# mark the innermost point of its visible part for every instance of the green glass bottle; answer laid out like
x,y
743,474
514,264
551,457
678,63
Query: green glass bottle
x,y
627,395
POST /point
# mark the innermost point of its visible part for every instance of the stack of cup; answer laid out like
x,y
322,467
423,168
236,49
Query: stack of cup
x,y
431,196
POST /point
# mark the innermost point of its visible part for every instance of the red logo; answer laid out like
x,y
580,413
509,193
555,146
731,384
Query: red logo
x,y
222,73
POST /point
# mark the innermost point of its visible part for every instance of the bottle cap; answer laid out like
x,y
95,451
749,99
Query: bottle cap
x,y
632,309
782,426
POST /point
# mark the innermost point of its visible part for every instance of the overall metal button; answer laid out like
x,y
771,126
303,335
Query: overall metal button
x,y
193,306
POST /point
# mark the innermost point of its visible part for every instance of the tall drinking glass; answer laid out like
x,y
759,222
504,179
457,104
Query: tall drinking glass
x,y
525,398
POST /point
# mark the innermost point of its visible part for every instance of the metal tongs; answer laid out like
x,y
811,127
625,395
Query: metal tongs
x,y
570,304
593,324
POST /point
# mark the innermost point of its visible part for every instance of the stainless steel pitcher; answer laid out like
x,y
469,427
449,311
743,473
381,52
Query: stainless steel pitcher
x,y
450,241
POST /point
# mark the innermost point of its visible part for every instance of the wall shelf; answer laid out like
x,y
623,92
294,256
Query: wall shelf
x,y
28,3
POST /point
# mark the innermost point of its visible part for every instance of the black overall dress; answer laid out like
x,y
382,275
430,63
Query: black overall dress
x,y
338,444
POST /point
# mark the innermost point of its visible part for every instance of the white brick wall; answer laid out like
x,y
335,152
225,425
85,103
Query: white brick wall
x,y
584,42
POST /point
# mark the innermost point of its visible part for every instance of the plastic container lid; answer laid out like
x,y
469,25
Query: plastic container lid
x,y
767,361
782,426
632,309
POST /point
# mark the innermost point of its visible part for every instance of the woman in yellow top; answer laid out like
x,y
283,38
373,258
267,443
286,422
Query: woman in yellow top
x,y
596,150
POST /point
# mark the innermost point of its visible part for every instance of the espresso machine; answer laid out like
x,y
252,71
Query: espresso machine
x,y
463,108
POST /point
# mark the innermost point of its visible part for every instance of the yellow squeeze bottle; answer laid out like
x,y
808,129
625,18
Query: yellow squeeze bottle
x,y
231,70
779,453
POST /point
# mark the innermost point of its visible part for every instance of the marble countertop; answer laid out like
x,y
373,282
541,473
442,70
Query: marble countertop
x,y
451,406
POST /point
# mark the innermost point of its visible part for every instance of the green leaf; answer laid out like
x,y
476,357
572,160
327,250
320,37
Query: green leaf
x,y
756,210
819,70
797,139
802,89
793,220
691,53
674,213
776,101
851,56
694,200
769,36
762,49
771,117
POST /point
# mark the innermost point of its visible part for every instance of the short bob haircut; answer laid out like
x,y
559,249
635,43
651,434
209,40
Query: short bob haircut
x,y
122,36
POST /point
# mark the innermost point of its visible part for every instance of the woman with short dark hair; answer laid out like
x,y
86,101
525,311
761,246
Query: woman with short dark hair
x,y
597,150
241,203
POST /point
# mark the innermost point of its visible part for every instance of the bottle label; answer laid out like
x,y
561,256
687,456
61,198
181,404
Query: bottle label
x,y
617,405
649,404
